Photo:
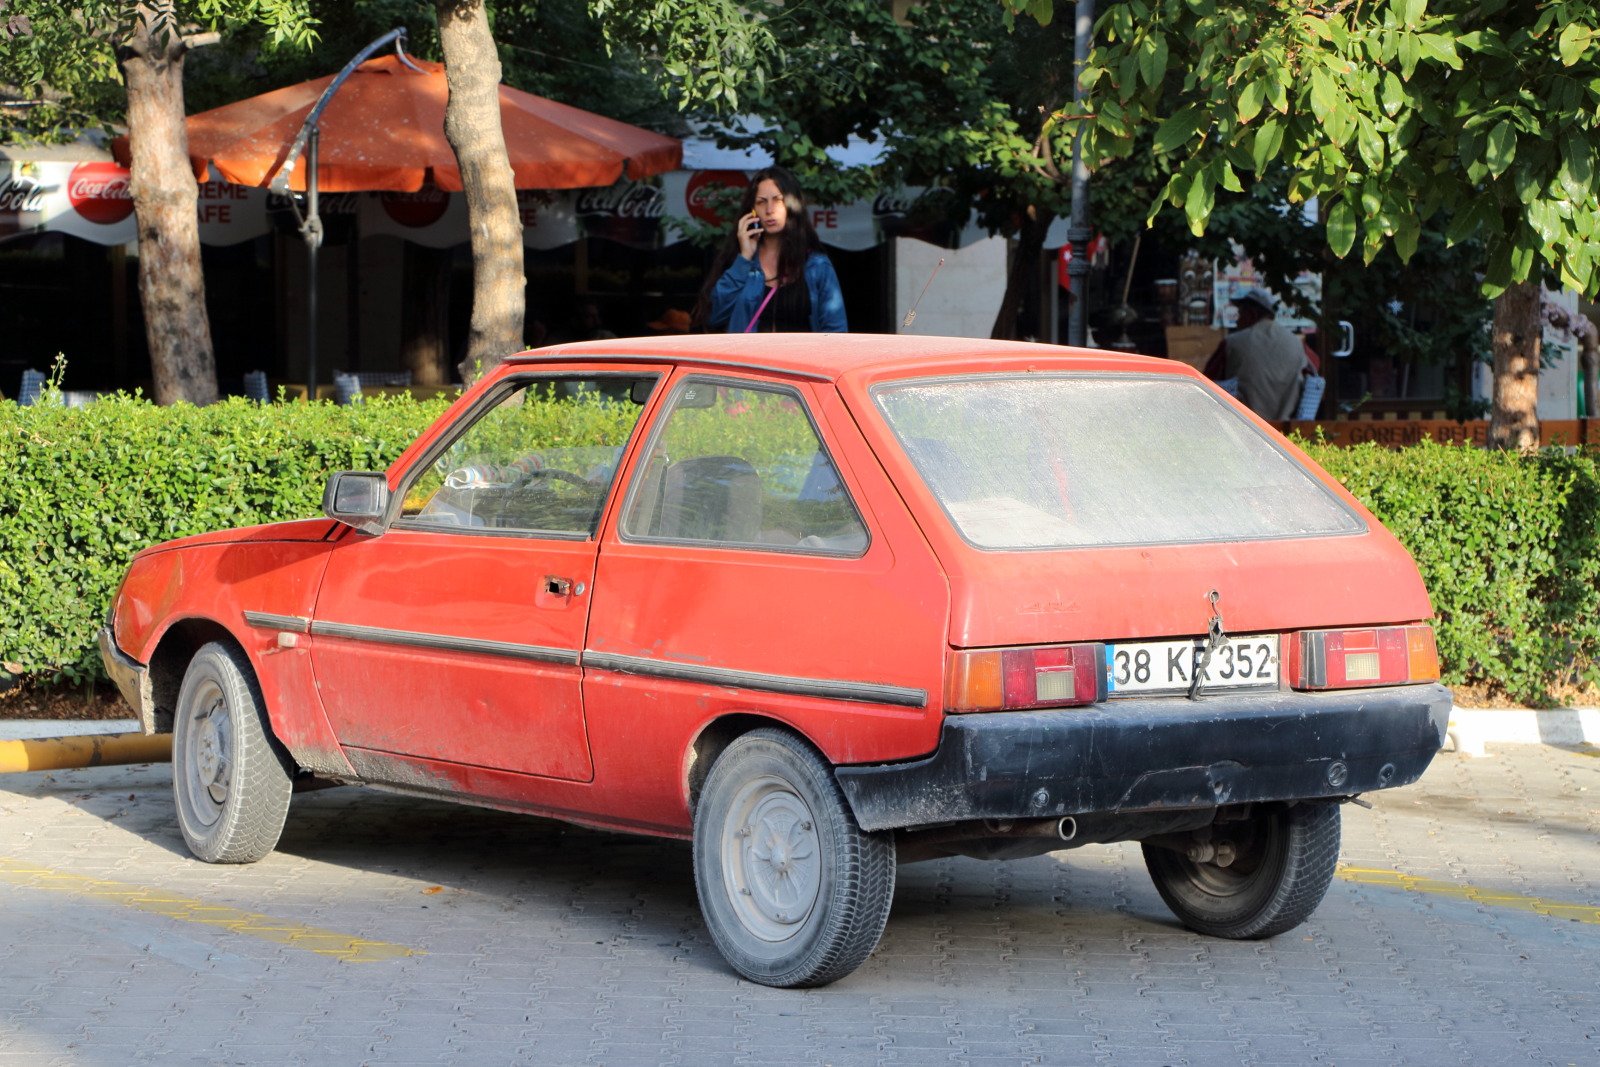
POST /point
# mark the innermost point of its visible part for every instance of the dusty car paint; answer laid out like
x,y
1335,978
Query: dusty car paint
x,y
598,678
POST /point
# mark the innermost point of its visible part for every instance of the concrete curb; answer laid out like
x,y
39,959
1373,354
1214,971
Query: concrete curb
x,y
28,729
1472,728
85,750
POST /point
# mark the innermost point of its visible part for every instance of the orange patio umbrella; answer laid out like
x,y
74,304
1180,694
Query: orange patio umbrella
x,y
379,125
384,130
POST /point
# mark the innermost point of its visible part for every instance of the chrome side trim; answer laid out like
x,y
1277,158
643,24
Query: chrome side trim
x,y
445,642
862,692
262,620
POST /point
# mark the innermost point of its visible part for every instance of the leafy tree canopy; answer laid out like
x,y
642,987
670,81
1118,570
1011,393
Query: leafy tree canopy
x,y
60,69
60,59
1479,115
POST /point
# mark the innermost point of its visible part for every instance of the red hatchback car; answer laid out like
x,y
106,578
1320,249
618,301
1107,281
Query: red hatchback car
x,y
821,604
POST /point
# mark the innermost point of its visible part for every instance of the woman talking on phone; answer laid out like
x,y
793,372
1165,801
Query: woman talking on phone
x,y
771,274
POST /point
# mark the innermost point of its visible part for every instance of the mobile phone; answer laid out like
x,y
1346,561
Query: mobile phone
x,y
753,226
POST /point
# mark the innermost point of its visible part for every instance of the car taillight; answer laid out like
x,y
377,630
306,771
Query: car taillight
x,y
1008,679
1345,659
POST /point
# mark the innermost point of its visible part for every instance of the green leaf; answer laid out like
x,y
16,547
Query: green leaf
x,y
1324,96
1465,223
1577,166
1268,142
1408,228
1222,171
1369,143
1394,93
1410,51
1500,148
1180,128
1441,48
1198,204
1574,39
1251,99
1545,221
1153,60
1341,228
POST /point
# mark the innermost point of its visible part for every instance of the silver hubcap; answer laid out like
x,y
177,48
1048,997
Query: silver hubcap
x,y
771,859
209,766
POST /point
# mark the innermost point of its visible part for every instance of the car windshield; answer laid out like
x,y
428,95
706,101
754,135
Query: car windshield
x,y
1066,461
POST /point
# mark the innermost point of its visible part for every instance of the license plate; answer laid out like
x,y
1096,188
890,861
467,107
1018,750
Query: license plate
x,y
1169,666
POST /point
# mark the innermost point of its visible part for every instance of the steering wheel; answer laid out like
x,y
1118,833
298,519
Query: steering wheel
x,y
552,473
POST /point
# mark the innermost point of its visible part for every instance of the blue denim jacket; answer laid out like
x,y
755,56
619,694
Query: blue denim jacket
x,y
742,288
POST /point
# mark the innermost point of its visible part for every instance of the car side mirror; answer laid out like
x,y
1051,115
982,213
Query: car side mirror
x,y
357,498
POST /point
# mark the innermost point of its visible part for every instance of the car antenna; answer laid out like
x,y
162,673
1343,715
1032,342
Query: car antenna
x,y
911,316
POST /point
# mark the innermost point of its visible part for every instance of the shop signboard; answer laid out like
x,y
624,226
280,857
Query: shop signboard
x,y
92,200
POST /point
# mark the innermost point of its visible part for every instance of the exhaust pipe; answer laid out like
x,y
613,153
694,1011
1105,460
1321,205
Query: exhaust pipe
x,y
1063,829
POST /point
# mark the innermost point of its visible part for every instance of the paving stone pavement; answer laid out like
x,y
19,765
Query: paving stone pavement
x,y
1464,929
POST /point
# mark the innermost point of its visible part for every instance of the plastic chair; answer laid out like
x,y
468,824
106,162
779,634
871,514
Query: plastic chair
x,y
255,386
32,386
377,379
1310,397
347,389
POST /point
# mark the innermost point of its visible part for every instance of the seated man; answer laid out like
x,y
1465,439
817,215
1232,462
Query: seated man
x,y
1267,359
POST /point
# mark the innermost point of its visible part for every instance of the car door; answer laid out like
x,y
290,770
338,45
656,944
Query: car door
x,y
451,641
748,569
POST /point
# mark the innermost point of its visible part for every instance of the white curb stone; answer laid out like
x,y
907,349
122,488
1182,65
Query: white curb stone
x,y
1471,728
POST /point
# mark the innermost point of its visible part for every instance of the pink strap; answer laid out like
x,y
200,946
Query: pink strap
x,y
759,310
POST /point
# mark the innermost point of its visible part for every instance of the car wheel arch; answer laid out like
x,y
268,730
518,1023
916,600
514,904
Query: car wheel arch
x,y
714,738
170,661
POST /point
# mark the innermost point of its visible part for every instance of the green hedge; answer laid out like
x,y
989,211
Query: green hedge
x,y
83,489
1509,547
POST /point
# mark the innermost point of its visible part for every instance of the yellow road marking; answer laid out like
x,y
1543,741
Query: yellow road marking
x,y
252,924
1556,909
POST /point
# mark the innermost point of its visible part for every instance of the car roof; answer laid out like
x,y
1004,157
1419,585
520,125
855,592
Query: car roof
x,y
827,356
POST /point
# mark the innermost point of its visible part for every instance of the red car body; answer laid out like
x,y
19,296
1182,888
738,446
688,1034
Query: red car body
x,y
598,676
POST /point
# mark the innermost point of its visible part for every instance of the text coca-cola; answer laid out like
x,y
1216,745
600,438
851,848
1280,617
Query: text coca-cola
x,y
101,192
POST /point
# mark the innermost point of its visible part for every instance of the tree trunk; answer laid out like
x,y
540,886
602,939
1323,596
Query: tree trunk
x,y
472,125
1021,271
1517,335
171,287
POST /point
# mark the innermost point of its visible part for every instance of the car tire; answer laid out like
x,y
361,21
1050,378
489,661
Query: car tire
x,y
230,777
793,891
1284,865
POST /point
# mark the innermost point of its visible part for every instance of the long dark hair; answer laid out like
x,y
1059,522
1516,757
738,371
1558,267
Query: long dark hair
x,y
796,241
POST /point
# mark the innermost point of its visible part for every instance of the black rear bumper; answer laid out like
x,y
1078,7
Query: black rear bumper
x,y
1161,754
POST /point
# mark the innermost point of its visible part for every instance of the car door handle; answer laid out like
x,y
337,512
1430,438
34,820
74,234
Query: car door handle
x,y
557,586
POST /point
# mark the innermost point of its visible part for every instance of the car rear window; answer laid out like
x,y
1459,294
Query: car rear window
x,y
1066,461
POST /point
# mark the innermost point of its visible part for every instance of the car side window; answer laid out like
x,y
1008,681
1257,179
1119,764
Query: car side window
x,y
541,459
741,465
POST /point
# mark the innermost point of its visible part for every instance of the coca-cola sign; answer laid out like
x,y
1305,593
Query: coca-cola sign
x,y
707,188
893,205
635,201
422,208
101,192
19,193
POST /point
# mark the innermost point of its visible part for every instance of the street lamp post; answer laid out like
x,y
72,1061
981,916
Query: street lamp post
x,y
311,221
1079,232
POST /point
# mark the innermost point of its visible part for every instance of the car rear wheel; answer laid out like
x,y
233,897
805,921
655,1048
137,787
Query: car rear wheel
x,y
793,891
230,777
1283,862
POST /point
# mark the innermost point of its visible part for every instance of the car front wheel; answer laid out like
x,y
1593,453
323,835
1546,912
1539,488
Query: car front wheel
x,y
1281,864
230,777
793,891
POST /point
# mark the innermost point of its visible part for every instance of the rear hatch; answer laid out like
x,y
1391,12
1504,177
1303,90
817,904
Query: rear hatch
x,y
1142,510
